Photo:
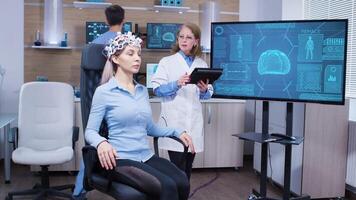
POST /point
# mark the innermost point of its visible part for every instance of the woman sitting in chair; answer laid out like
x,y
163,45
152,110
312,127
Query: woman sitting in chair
x,y
124,105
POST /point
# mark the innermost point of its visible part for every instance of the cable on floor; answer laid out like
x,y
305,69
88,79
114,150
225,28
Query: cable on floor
x,y
217,175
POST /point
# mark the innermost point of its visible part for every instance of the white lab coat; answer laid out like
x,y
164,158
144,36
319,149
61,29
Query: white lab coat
x,y
183,111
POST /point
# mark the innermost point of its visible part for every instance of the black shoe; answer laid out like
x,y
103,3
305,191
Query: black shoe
x,y
81,196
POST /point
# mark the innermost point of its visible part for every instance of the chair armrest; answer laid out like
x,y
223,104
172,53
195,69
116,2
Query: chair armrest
x,y
90,158
155,144
91,161
75,136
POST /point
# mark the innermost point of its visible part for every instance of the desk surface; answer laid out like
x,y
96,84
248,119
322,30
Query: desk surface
x,y
5,119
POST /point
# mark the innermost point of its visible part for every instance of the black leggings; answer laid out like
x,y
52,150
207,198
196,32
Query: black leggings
x,y
185,164
156,177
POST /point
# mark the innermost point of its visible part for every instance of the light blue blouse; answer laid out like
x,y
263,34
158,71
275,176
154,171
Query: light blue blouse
x,y
129,119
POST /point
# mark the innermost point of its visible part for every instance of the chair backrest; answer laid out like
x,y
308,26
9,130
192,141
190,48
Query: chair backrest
x,y
46,115
91,69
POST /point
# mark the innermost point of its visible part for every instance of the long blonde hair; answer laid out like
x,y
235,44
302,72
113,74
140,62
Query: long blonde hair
x,y
110,68
108,72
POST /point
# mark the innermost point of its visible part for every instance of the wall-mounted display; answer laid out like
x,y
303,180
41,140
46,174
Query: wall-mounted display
x,y
161,35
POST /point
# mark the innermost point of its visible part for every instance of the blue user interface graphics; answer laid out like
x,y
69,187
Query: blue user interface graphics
x,y
95,29
286,60
161,35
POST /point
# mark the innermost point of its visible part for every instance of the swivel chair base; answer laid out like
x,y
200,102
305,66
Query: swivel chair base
x,y
40,191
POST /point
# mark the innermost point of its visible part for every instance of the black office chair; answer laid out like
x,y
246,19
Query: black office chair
x,y
95,177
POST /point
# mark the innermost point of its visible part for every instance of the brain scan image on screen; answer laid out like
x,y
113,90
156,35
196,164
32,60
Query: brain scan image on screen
x,y
161,35
273,62
168,37
282,60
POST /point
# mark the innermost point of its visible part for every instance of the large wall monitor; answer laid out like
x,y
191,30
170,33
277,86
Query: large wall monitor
x,y
298,61
95,29
161,35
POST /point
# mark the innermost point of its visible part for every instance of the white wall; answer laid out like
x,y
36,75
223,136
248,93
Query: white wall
x,y
352,110
11,56
292,9
256,10
11,53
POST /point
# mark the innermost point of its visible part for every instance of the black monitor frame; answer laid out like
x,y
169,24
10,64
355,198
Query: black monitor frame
x,y
342,102
147,40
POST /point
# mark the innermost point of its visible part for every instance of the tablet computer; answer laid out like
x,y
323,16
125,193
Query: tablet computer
x,y
204,74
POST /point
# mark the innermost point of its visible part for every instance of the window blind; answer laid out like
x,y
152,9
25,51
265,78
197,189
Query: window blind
x,y
339,9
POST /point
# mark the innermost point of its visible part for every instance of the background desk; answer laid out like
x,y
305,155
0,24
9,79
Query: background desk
x,y
5,121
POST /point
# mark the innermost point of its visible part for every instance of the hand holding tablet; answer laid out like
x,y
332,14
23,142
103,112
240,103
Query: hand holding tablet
x,y
205,74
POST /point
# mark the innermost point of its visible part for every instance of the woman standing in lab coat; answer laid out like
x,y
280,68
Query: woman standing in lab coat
x,y
181,105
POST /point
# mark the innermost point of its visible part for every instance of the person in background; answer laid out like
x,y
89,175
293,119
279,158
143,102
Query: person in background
x,y
115,16
181,105
124,104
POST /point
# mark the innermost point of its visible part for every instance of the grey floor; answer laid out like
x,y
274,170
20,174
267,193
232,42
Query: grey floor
x,y
230,184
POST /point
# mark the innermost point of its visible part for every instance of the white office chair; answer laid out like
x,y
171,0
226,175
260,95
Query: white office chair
x,y
46,135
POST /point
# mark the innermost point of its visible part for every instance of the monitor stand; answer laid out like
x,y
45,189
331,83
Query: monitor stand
x,y
265,138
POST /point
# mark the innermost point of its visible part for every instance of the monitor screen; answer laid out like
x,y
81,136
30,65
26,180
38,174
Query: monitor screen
x,y
127,27
161,35
298,61
150,70
95,29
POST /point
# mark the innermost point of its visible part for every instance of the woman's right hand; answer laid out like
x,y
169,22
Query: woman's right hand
x,y
187,140
183,80
107,155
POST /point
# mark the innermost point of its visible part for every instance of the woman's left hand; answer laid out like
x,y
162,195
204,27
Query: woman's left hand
x,y
187,141
203,87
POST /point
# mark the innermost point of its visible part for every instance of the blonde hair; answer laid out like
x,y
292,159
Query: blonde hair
x,y
110,68
115,47
196,50
108,72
